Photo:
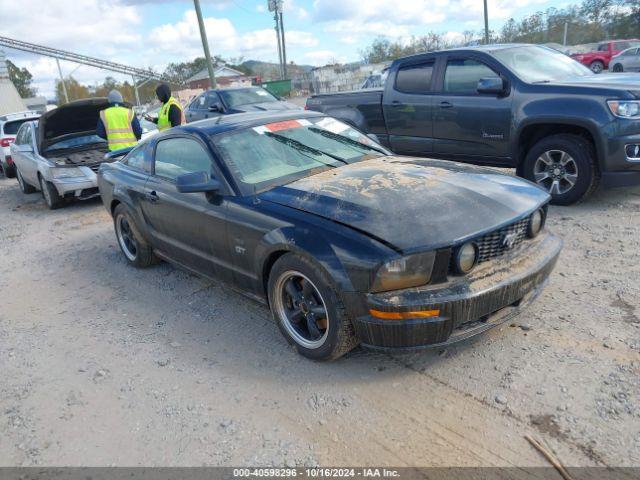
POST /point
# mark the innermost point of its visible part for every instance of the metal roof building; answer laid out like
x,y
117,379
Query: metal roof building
x,y
10,100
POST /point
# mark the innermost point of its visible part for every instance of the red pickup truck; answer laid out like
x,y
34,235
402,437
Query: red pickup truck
x,y
599,59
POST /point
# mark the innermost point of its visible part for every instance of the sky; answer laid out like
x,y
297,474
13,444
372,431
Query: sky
x,y
153,33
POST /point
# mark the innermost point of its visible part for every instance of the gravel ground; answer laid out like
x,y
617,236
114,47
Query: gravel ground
x,y
103,364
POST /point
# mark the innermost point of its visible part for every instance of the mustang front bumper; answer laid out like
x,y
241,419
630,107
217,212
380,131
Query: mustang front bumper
x,y
493,293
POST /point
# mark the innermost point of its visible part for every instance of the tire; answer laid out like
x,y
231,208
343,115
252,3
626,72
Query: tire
x,y
24,186
561,159
597,66
9,170
618,68
50,194
134,247
314,337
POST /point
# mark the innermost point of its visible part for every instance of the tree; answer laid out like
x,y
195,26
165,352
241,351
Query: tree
x,y
75,90
21,78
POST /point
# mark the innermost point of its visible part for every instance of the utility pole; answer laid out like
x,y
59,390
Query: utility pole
x,y
566,31
205,44
284,48
486,23
64,86
135,89
275,6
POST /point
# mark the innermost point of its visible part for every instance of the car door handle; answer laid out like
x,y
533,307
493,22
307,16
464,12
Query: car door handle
x,y
396,103
152,196
446,104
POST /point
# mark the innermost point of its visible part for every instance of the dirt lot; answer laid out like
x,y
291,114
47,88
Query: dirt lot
x,y
102,364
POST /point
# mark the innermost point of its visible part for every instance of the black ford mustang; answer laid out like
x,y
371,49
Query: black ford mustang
x,y
347,243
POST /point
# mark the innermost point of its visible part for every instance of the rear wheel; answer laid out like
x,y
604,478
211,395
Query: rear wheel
x,y
618,68
135,249
9,170
565,166
596,66
308,310
24,186
50,194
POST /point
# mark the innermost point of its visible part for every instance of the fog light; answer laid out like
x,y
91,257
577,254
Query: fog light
x,y
466,257
633,151
536,222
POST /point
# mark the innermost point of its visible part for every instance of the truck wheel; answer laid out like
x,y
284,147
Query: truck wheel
x,y
618,68
24,186
50,194
308,310
565,166
135,249
596,66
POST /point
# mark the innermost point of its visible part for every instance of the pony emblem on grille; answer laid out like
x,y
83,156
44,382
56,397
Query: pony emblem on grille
x,y
509,240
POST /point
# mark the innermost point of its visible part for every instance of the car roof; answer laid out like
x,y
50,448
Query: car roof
x,y
18,116
475,48
238,121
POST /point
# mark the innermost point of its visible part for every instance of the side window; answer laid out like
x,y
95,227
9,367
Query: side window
x,y
415,78
177,156
24,135
621,45
200,102
135,159
212,99
603,48
462,75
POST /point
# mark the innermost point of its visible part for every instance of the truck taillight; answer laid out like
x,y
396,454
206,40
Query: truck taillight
x,y
5,142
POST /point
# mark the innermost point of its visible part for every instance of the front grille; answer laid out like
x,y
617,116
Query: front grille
x,y
494,244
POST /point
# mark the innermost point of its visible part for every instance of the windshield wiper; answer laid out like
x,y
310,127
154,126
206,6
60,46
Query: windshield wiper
x,y
347,141
301,147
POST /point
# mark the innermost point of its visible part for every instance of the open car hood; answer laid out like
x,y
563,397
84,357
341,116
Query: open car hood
x,y
413,204
80,116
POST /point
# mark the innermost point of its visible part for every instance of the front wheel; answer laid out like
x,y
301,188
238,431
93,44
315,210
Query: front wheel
x,y
597,66
50,194
618,68
565,166
308,310
135,249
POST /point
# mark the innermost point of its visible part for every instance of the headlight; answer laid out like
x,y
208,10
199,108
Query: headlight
x,y
69,172
465,257
536,222
405,272
624,108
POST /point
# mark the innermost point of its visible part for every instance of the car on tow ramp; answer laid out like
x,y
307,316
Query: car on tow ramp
x,y
347,243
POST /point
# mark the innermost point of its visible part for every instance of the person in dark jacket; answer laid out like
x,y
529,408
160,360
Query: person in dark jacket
x,y
118,124
171,113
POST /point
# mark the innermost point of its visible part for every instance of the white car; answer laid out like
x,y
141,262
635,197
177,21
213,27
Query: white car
x,y
9,125
60,153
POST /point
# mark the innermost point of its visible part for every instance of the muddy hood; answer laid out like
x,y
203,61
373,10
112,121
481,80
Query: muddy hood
x,y
79,117
413,204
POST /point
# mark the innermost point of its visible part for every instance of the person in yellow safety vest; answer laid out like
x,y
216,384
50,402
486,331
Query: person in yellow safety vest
x,y
171,113
118,125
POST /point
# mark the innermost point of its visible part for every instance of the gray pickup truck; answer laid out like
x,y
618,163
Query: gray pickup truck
x,y
520,106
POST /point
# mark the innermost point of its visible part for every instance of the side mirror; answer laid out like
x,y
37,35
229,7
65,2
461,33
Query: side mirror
x,y
24,148
215,108
491,85
117,154
197,182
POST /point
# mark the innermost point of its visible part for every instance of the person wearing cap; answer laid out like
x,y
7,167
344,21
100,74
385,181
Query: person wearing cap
x,y
118,125
171,113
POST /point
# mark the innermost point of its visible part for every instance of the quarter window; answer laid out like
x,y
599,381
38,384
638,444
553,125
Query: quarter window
x,y
415,78
177,156
462,76
135,159
23,136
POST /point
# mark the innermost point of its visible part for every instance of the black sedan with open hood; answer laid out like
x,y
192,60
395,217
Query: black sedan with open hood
x,y
347,243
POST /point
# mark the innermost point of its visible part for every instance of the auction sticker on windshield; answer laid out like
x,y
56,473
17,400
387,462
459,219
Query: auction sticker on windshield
x,y
278,126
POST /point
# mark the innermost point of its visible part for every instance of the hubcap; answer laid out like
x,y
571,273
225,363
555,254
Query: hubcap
x,y
556,171
301,309
126,239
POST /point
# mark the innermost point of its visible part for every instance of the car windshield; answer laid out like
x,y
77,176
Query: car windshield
x,y
279,153
11,128
76,142
535,64
246,96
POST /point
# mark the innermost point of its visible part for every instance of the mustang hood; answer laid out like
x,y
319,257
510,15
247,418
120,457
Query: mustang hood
x,y
73,118
413,204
